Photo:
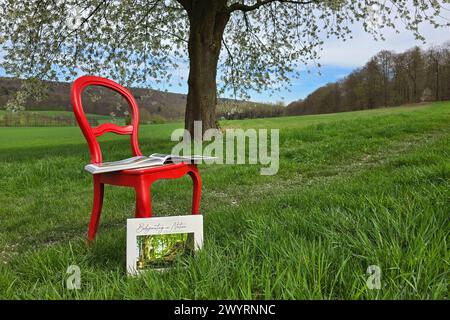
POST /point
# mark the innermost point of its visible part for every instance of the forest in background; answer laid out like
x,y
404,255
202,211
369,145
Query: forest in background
x,y
387,79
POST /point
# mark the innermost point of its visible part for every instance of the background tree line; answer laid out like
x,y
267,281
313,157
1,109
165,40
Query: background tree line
x,y
387,79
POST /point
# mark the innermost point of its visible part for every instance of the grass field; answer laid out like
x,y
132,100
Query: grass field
x,y
354,189
56,113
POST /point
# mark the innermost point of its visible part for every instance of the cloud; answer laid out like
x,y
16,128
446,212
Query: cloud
x,y
357,51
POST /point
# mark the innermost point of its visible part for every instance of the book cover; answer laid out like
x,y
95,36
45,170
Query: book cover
x,y
157,243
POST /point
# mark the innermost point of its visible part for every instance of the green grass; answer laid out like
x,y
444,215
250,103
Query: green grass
x,y
60,113
56,113
354,189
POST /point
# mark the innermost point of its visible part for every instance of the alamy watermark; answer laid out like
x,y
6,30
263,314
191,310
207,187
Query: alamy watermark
x,y
232,146
73,281
373,281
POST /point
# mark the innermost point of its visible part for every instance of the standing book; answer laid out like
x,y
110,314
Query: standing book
x,y
157,243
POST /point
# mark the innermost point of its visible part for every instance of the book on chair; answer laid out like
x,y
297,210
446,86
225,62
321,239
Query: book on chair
x,y
138,162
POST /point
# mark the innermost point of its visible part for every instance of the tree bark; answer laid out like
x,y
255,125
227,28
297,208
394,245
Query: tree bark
x,y
207,23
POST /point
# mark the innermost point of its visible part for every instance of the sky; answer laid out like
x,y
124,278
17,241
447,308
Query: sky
x,y
337,58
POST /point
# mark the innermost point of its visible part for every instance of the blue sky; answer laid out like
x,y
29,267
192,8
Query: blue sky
x,y
307,83
338,59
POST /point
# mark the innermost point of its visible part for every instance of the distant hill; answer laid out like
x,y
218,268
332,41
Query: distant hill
x,y
98,100
154,105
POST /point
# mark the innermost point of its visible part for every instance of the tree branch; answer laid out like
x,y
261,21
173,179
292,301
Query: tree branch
x,y
141,19
233,81
259,3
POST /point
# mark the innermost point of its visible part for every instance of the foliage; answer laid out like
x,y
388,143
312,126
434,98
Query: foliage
x,y
146,117
17,102
264,41
388,79
233,110
31,88
158,251
127,118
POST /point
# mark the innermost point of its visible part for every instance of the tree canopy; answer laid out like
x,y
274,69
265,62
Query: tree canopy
x,y
249,45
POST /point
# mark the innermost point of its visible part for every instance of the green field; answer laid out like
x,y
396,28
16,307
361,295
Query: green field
x,y
69,114
354,189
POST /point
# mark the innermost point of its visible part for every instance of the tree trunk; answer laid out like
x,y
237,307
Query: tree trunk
x,y
207,23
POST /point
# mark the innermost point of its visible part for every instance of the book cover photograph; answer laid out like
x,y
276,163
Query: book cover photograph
x,y
157,243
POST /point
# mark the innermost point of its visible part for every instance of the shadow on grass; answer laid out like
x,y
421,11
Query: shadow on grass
x,y
108,251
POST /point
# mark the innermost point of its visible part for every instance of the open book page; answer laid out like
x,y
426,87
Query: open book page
x,y
170,158
160,156
156,159
130,163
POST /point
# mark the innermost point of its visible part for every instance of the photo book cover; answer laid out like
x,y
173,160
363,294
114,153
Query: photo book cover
x,y
157,243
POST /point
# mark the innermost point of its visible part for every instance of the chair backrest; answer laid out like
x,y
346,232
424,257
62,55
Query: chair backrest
x,y
90,133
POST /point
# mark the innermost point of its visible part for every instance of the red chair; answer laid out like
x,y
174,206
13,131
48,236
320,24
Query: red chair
x,y
139,179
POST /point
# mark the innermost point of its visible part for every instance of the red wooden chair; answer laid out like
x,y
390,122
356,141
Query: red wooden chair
x,y
139,179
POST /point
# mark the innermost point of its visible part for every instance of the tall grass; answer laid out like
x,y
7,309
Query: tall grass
x,y
353,190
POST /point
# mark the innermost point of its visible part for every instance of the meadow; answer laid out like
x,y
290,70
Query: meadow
x,y
354,189
48,118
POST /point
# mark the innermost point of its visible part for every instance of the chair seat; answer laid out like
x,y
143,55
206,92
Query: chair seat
x,y
135,177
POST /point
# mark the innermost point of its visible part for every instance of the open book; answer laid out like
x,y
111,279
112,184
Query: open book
x,y
156,159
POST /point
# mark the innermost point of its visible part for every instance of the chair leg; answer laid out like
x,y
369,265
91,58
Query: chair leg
x,y
143,200
96,208
197,190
